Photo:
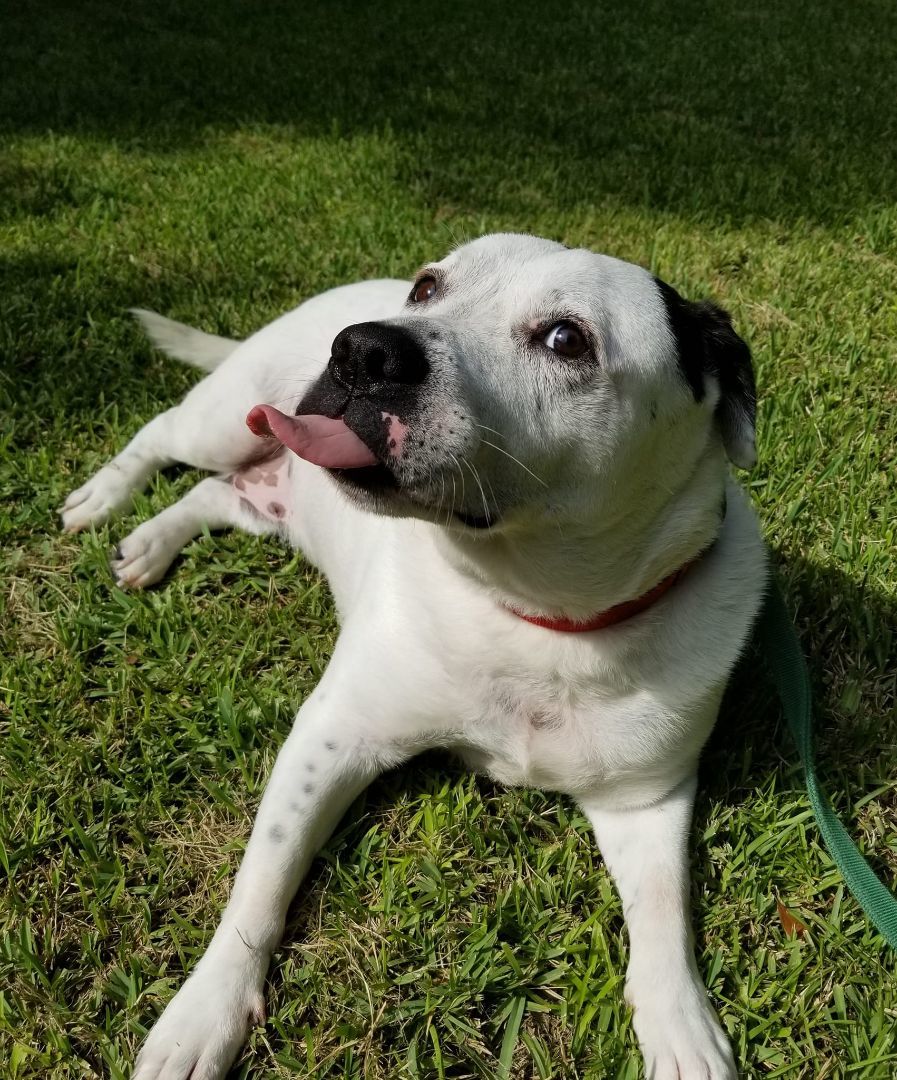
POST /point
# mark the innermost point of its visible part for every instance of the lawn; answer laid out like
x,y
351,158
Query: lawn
x,y
219,163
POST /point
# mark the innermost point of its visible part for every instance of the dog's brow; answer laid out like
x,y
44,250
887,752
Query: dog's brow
x,y
552,309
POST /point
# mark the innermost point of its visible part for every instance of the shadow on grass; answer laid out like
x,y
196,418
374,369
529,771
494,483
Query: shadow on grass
x,y
847,633
731,112
69,351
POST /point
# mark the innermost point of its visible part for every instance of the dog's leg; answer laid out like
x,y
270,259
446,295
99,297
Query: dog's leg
x,y
142,558
198,432
111,488
331,755
646,851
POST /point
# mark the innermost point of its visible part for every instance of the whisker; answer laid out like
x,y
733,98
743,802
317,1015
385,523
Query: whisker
x,y
491,492
463,482
487,428
293,380
298,384
456,242
284,400
476,477
460,472
516,461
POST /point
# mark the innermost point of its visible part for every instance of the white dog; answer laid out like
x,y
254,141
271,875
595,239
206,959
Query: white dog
x,y
515,480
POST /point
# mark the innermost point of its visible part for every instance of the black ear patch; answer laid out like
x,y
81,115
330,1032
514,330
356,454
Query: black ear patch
x,y
708,345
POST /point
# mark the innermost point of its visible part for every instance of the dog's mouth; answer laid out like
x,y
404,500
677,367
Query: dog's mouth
x,y
321,440
332,444
328,442
379,482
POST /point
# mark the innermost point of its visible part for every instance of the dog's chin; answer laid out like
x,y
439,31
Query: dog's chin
x,y
372,487
376,488
478,522
374,480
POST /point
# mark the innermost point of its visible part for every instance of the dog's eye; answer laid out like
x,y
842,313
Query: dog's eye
x,y
423,290
566,339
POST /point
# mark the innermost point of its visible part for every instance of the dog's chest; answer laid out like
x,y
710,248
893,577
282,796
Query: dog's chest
x,y
543,732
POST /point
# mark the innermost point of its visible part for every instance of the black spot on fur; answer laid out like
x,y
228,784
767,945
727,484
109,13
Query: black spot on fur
x,y
687,331
309,766
308,788
330,745
707,344
276,834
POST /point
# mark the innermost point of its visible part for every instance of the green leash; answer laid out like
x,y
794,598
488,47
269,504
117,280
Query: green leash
x,y
779,641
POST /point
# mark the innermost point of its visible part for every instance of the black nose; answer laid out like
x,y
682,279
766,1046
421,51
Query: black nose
x,y
371,356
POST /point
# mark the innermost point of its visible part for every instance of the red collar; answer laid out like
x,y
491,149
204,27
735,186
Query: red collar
x,y
613,615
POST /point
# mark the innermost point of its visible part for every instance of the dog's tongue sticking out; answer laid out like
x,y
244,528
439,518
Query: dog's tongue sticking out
x,y
317,439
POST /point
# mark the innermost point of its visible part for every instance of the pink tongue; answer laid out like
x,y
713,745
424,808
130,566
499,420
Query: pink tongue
x,y
317,439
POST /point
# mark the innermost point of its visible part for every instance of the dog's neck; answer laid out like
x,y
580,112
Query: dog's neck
x,y
572,569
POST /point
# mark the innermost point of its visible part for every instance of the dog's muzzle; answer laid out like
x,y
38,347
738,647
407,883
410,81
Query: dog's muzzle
x,y
354,419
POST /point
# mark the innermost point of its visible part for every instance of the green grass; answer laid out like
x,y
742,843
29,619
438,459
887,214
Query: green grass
x,y
219,164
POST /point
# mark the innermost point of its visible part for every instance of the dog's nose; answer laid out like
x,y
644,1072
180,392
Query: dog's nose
x,y
371,356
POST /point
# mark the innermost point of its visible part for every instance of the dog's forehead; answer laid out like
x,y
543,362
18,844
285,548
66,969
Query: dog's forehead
x,y
514,266
498,249
519,276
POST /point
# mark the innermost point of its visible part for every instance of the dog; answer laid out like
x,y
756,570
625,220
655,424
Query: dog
x,y
515,476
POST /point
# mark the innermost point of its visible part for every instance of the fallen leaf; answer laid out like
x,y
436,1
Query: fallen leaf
x,y
790,923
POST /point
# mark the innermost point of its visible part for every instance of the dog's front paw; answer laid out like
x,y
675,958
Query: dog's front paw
x,y
201,1030
142,558
91,504
679,1033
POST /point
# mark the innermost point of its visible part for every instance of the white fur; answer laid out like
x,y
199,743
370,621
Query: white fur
x,y
205,351
614,482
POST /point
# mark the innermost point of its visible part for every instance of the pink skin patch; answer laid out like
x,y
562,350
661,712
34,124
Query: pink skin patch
x,y
395,437
266,487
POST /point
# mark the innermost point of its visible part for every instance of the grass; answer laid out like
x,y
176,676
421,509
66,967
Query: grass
x,y
219,163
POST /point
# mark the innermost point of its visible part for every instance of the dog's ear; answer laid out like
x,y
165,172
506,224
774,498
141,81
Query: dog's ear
x,y
708,345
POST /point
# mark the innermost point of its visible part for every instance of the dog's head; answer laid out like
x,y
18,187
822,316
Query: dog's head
x,y
526,382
